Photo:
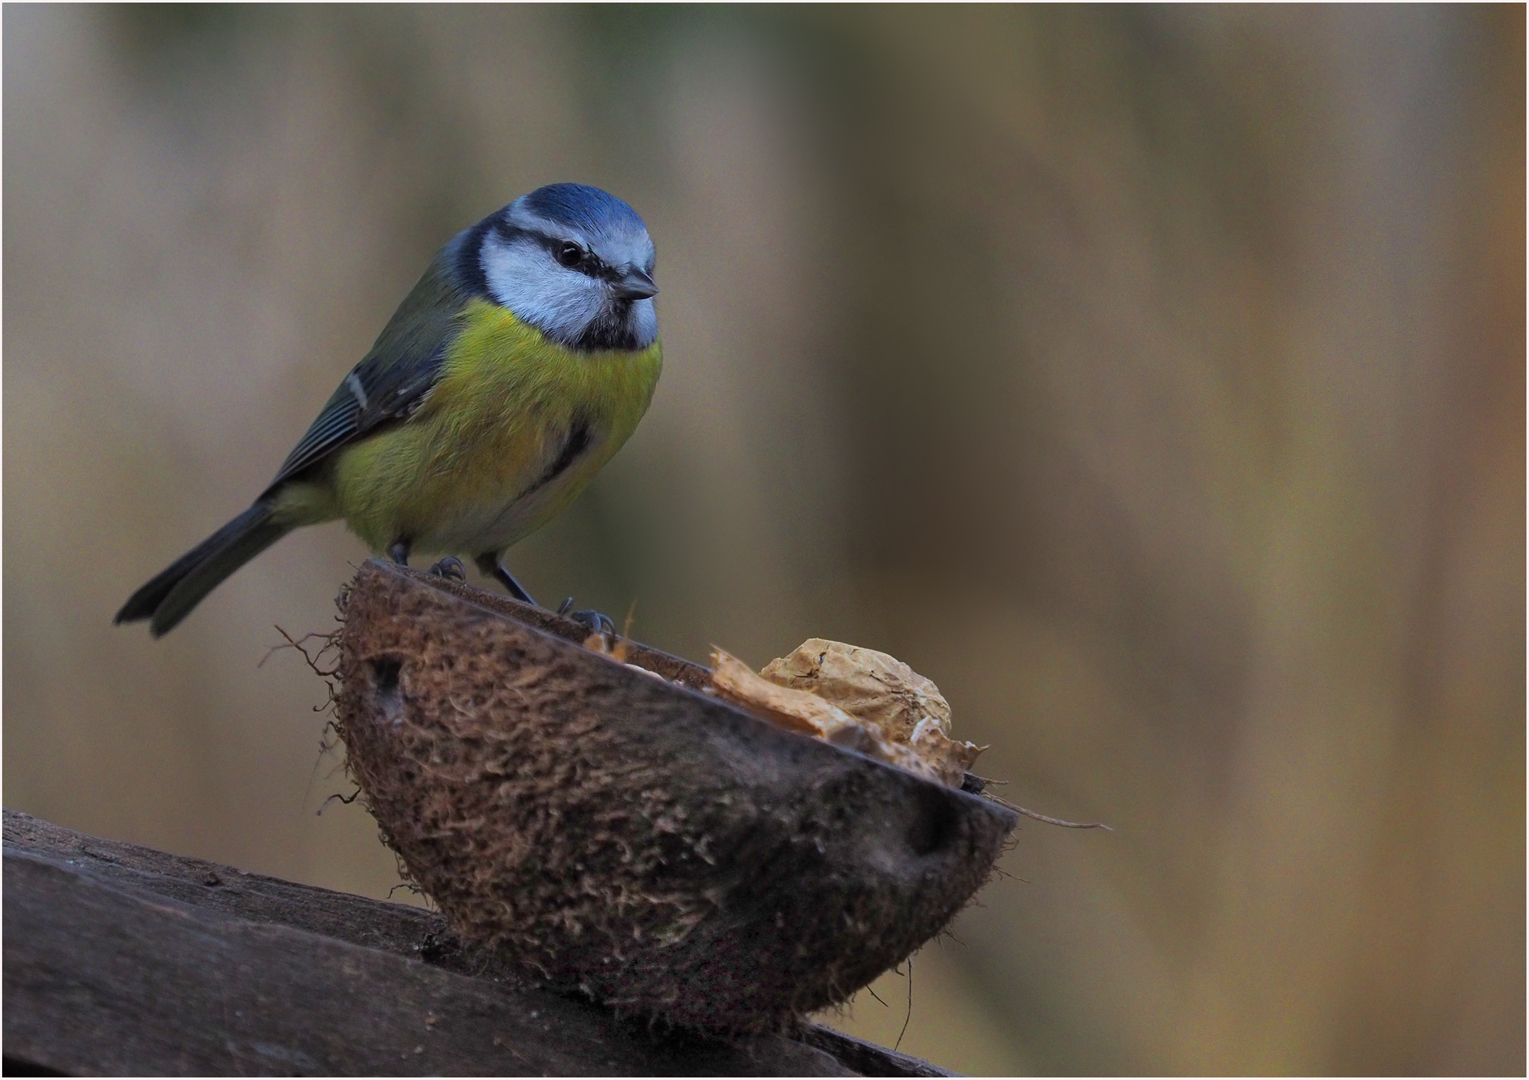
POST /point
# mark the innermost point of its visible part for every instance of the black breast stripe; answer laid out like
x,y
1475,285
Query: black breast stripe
x,y
576,443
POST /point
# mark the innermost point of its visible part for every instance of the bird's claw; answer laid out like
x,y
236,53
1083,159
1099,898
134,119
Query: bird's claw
x,y
450,568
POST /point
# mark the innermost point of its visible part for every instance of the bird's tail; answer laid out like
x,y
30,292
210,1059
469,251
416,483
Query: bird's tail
x,y
169,598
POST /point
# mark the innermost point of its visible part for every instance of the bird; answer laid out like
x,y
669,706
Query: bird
x,y
515,368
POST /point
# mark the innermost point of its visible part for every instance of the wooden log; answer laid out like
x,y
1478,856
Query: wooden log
x,y
120,959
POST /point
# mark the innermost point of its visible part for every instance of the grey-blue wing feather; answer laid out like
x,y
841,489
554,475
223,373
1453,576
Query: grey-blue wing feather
x,y
395,377
391,388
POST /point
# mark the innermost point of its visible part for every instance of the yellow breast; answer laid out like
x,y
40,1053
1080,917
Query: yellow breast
x,y
514,428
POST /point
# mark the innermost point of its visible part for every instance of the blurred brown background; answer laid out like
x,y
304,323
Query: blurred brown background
x,y
1152,379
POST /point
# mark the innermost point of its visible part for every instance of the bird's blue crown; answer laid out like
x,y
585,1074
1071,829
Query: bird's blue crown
x,y
582,206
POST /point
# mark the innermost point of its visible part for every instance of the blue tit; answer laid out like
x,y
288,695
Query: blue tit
x,y
521,361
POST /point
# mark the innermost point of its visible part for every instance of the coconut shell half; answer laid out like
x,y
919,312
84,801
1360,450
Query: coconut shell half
x,y
630,836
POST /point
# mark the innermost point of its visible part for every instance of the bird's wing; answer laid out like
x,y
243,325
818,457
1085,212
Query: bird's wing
x,y
394,378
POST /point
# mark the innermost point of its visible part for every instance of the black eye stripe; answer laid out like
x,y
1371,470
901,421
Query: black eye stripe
x,y
591,265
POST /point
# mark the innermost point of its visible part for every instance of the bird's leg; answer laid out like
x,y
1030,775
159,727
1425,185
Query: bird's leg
x,y
597,623
398,551
450,567
489,564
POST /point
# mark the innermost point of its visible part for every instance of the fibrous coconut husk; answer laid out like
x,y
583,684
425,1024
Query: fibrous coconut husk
x,y
627,835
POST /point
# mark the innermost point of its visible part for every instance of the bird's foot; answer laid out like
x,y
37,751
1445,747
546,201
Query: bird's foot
x,y
597,623
450,568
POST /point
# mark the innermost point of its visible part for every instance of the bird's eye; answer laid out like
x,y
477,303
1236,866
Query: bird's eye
x,y
570,254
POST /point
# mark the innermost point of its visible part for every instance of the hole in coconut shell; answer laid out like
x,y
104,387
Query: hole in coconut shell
x,y
385,671
935,824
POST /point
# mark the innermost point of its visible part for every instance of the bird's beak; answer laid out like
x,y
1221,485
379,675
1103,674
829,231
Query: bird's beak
x,y
637,285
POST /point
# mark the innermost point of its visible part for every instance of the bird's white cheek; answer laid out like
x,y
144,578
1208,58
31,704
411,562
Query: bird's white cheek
x,y
562,305
505,267
644,323
557,301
